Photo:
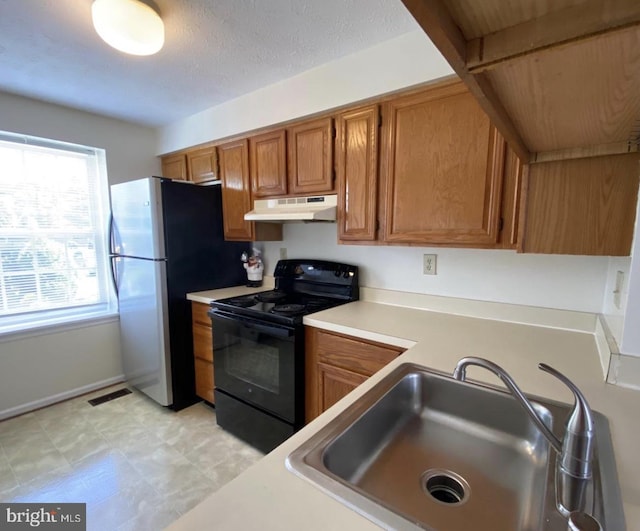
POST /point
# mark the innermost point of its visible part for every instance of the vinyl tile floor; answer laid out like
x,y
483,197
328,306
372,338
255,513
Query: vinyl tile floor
x,y
137,465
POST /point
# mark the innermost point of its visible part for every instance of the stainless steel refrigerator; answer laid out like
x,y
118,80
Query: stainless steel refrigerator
x,y
166,240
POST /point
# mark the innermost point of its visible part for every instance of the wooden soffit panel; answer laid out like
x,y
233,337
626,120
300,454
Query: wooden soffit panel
x,y
559,78
583,94
481,17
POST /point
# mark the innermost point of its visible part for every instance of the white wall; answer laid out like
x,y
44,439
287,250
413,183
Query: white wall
x,y
614,314
130,148
631,333
35,369
551,281
401,62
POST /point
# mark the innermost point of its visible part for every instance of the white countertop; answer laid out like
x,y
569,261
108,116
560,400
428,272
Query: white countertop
x,y
210,295
269,497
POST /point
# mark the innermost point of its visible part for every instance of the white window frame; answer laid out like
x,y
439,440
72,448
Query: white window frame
x,y
42,321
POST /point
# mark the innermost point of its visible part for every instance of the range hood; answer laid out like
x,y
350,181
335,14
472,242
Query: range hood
x,y
313,208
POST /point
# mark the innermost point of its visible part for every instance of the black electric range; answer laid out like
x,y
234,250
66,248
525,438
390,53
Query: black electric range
x,y
258,345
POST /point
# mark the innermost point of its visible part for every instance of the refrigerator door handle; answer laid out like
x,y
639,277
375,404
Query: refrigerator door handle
x,y
111,235
113,273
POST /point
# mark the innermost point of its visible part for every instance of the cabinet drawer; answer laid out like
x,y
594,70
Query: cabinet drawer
x,y
199,313
362,357
204,379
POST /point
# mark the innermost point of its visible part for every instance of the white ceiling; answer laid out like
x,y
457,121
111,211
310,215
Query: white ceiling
x,y
215,50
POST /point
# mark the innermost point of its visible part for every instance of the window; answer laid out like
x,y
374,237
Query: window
x,y
53,257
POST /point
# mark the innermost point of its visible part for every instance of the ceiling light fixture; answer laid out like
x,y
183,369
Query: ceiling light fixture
x,y
128,25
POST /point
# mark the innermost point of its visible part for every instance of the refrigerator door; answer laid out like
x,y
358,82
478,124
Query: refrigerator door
x,y
144,327
137,226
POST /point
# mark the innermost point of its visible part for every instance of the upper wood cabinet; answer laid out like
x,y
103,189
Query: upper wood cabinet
x,y
582,206
197,165
442,169
357,173
203,165
236,190
268,164
310,157
236,196
175,167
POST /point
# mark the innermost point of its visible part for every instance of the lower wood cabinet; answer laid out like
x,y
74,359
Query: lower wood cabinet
x,y
336,364
203,350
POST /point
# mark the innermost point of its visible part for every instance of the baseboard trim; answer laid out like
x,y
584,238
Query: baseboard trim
x,y
43,402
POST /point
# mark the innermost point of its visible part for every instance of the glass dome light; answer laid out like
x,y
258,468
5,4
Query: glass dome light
x,y
128,25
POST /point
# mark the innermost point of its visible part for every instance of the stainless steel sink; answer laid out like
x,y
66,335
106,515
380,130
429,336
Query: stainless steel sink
x,y
422,450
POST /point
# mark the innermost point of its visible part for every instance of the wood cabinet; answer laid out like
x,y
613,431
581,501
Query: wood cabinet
x,y
310,157
236,190
197,165
336,364
268,164
442,169
236,196
202,350
357,173
582,206
203,165
175,167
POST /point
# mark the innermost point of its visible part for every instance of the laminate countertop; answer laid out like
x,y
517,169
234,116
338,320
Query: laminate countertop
x,y
208,296
269,497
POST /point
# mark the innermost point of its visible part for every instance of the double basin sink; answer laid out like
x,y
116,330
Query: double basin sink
x,y
421,450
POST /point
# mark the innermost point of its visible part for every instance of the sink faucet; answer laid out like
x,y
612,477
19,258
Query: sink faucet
x,y
576,448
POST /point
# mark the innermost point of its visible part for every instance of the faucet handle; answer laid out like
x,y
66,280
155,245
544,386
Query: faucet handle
x,y
577,443
579,521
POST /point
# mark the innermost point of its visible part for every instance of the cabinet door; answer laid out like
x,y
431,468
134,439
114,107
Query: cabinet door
x,y
202,350
582,206
236,191
443,169
204,380
335,364
203,165
335,383
357,172
268,164
175,167
310,154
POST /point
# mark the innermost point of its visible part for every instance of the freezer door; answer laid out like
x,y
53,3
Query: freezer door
x,y
137,226
144,326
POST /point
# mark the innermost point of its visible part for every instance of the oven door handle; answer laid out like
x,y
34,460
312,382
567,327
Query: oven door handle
x,y
272,330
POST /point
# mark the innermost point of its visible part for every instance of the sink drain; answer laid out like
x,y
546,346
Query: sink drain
x,y
445,486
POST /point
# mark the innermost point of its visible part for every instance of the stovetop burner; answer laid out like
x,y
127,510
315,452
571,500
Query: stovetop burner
x,y
242,302
288,309
271,296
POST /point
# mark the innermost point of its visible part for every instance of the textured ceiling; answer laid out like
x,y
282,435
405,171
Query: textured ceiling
x,y
215,50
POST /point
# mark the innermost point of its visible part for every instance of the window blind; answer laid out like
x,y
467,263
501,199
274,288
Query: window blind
x,y
53,257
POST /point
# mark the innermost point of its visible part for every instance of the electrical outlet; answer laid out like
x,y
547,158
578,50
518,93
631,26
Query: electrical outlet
x,y
283,253
617,292
429,264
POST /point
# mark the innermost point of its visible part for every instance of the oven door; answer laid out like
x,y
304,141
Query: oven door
x,y
256,362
